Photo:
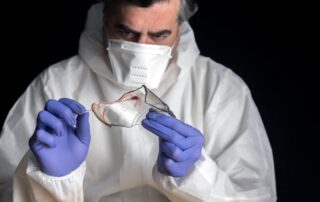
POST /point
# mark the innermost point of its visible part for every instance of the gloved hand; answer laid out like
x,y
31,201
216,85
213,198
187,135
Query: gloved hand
x,y
62,136
180,144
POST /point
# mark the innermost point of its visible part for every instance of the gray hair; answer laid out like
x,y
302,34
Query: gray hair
x,y
187,7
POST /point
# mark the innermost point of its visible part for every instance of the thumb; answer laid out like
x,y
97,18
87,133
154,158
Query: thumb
x,y
83,128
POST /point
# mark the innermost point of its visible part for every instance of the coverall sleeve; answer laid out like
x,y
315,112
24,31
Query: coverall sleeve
x,y
32,184
17,128
27,182
236,162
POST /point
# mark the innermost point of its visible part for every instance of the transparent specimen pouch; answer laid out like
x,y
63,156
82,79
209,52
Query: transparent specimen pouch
x,y
130,109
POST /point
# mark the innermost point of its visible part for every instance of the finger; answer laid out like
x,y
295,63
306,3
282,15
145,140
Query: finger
x,y
178,169
172,151
172,123
41,139
83,128
61,111
164,133
75,106
46,120
172,168
179,155
170,135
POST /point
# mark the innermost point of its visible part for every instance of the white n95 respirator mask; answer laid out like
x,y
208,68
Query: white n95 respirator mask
x,y
135,64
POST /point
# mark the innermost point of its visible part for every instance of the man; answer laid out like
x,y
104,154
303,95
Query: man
x,y
216,148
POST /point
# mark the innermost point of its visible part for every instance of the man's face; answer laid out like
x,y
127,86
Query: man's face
x,y
156,24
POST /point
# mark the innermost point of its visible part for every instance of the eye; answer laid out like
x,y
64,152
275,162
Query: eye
x,y
126,34
159,37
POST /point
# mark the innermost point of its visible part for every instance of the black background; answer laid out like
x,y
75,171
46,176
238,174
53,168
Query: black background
x,y
272,46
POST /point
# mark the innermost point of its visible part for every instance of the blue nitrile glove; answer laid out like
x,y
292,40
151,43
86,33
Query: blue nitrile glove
x,y
61,139
179,144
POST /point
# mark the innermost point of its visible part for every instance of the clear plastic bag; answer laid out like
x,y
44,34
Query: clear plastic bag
x,y
130,109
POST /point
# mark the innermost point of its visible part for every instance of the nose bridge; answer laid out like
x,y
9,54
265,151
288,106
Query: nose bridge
x,y
144,39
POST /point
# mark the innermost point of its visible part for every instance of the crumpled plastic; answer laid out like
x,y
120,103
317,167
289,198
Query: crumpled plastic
x,y
130,109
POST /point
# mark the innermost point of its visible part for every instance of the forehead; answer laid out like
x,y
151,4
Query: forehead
x,y
158,14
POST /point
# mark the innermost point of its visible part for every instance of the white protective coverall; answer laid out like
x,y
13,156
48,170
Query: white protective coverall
x,y
236,162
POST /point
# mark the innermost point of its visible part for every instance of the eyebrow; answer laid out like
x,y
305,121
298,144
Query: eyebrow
x,y
128,29
160,33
